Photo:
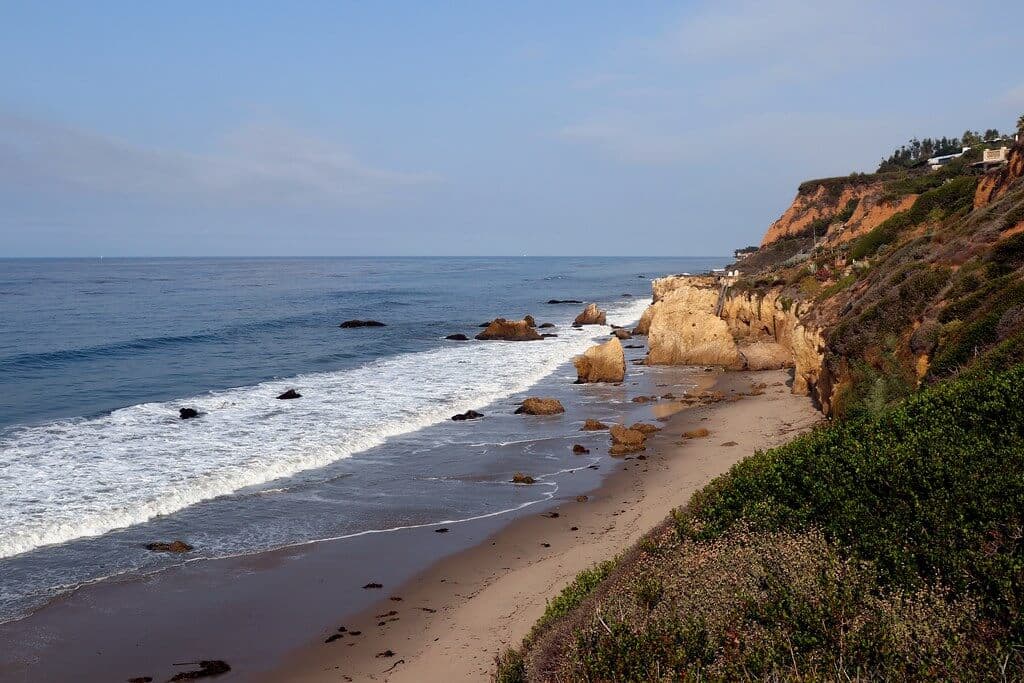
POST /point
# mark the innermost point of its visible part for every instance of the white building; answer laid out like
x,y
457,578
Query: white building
x,y
938,162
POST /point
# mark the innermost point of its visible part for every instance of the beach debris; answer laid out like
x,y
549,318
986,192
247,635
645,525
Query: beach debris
x,y
169,547
442,530
348,324
207,668
457,337
550,515
540,406
574,528
355,633
626,440
729,443
395,598
333,637
564,301
387,614
390,668
546,545
582,499
509,330
591,315
428,609
468,415
593,426
373,585
602,363
342,629
520,478
641,457
187,413
579,449
696,433
644,427
386,653
290,394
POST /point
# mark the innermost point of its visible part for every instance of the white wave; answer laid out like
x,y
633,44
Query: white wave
x,y
84,477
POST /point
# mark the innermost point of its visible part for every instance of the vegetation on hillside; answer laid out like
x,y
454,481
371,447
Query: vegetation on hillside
x,y
884,546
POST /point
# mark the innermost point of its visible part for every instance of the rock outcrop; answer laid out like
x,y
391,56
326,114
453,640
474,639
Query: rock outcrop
x,y
591,315
593,426
621,334
361,323
540,406
187,413
468,415
509,330
684,329
289,395
177,547
602,363
457,337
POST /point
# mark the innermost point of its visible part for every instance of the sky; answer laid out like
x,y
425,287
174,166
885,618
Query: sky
x,y
467,128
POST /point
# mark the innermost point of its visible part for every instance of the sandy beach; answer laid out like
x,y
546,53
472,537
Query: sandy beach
x,y
448,622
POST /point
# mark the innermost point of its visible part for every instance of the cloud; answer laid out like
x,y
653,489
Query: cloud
x,y
254,165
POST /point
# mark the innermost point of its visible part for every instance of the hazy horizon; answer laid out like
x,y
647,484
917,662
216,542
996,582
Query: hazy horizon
x,y
408,130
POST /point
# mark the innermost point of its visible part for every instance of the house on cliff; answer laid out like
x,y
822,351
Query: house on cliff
x,y
938,162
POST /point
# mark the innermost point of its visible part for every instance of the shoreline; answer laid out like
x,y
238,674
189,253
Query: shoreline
x,y
450,620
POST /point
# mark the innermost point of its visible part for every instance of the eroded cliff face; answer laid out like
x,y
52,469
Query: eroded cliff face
x,y
994,185
827,202
694,322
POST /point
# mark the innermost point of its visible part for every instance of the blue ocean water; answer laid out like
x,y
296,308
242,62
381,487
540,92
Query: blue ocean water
x,y
96,356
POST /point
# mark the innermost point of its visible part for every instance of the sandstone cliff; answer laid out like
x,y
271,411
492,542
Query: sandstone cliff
x,y
695,322
822,208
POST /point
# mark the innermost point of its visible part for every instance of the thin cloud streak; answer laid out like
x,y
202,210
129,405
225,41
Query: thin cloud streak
x,y
254,165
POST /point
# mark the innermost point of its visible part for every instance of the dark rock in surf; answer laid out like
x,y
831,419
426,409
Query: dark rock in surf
x,y
564,301
578,449
468,415
187,413
288,395
177,547
361,323
545,326
369,586
457,337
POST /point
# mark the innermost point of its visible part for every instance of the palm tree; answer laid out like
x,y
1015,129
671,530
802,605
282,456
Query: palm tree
x,y
1020,124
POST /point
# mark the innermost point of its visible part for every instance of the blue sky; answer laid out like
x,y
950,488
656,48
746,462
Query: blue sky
x,y
585,128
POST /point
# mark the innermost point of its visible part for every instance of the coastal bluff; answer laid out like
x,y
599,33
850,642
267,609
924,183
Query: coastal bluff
x,y
705,320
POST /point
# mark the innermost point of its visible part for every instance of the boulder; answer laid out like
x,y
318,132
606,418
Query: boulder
x,y
602,363
520,478
626,440
644,324
545,326
540,406
548,335
187,413
468,415
509,330
457,337
644,428
578,449
622,334
361,323
564,301
177,547
528,319
591,315
290,394
593,426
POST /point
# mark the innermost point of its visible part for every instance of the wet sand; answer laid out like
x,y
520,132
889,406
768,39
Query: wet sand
x,y
449,622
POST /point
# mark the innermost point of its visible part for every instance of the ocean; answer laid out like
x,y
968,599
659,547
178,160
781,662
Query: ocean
x,y
98,355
